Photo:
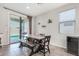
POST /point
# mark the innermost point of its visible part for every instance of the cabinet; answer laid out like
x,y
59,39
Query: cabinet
x,y
73,45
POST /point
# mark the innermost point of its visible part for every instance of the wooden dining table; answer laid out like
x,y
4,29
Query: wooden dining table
x,y
38,38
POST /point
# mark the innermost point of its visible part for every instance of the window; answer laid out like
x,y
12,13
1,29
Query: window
x,y
67,21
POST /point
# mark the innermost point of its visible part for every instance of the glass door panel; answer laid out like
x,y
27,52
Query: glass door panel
x,y
14,29
25,28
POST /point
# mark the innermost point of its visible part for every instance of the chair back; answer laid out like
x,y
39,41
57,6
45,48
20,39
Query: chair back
x,y
46,40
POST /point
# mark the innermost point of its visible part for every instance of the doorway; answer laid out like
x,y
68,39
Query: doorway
x,y
19,28
24,28
14,29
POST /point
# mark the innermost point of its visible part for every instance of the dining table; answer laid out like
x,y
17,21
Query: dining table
x,y
39,39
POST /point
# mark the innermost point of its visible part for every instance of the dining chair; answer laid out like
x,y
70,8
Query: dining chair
x,y
44,45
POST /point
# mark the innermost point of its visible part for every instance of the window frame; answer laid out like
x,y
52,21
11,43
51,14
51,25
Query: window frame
x,y
67,21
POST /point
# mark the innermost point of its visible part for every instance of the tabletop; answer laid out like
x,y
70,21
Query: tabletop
x,y
36,36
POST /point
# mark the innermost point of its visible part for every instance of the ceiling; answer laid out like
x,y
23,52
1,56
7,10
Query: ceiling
x,y
32,9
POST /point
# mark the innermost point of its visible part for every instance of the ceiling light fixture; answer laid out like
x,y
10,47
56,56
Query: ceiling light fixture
x,y
28,7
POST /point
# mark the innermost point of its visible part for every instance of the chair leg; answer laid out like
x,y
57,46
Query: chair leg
x,y
31,52
44,50
44,54
21,45
48,49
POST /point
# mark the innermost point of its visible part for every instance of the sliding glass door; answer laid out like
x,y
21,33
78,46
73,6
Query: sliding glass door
x,y
24,28
19,27
14,29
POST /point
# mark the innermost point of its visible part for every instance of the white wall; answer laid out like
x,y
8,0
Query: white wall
x,y
57,38
4,24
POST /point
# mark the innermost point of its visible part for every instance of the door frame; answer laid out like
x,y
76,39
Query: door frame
x,y
30,25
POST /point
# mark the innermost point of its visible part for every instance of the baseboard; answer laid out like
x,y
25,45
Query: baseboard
x,y
58,45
